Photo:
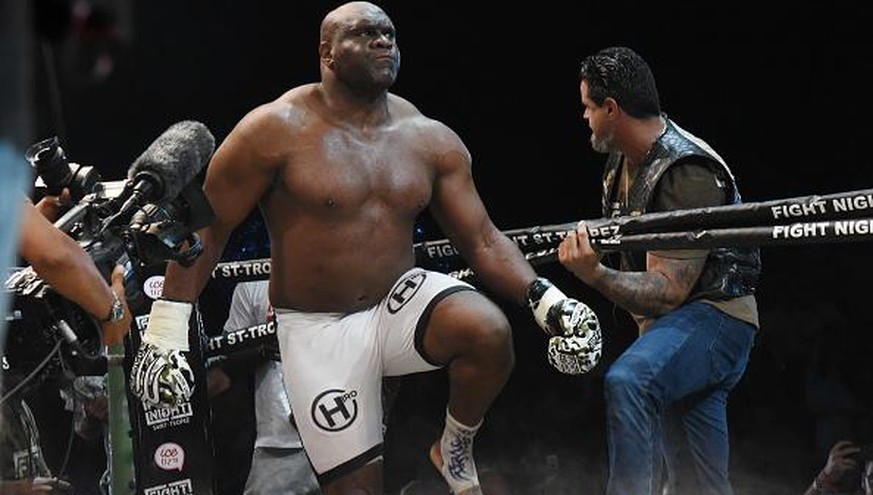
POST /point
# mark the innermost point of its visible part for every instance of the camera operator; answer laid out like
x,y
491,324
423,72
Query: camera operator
x,y
70,271
63,264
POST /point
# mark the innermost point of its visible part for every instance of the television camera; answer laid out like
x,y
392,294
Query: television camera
x,y
146,220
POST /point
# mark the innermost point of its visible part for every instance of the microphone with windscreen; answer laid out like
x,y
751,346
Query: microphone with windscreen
x,y
160,173
171,161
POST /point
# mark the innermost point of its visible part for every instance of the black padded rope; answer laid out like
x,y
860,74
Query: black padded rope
x,y
838,206
816,219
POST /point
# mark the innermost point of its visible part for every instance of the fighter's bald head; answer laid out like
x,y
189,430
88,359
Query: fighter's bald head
x,y
347,13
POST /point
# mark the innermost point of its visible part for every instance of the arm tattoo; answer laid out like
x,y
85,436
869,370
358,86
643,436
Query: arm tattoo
x,y
655,292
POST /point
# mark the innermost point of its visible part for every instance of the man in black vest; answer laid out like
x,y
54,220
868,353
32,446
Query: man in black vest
x,y
666,395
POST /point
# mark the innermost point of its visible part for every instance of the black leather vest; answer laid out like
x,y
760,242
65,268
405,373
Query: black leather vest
x,y
729,271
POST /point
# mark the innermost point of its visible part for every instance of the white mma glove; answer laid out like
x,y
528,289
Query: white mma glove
x,y
576,343
160,375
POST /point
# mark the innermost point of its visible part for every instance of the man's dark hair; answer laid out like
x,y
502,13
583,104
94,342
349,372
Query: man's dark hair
x,y
620,73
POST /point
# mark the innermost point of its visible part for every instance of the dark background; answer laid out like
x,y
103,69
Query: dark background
x,y
782,95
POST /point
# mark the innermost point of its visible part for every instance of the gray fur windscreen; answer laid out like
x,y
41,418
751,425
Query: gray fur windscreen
x,y
176,156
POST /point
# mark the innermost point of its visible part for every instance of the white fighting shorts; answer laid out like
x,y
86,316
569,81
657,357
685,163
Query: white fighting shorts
x,y
333,366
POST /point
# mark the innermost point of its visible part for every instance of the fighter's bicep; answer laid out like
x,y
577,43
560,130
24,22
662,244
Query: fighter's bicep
x,y
456,204
236,179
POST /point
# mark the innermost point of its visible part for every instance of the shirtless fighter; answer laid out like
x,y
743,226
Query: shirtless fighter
x,y
341,169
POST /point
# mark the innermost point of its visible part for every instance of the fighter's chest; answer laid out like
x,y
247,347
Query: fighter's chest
x,y
348,173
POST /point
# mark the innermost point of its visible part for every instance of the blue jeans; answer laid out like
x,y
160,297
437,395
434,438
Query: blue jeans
x,y
666,401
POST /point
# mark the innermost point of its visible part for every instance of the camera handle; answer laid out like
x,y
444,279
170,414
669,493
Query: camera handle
x,y
72,217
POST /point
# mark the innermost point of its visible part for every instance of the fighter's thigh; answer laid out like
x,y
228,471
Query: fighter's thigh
x,y
463,321
331,374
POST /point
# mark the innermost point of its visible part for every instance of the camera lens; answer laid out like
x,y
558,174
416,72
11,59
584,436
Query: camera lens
x,y
48,158
51,165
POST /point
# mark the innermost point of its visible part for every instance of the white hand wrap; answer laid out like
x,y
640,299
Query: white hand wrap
x,y
168,325
541,307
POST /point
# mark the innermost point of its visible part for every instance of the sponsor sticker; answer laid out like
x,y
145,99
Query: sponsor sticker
x,y
170,456
153,286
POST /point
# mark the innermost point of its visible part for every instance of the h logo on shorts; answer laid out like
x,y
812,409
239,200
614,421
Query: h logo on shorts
x,y
335,409
404,290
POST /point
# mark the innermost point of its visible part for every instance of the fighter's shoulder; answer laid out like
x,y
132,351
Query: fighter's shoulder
x,y
283,113
416,121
